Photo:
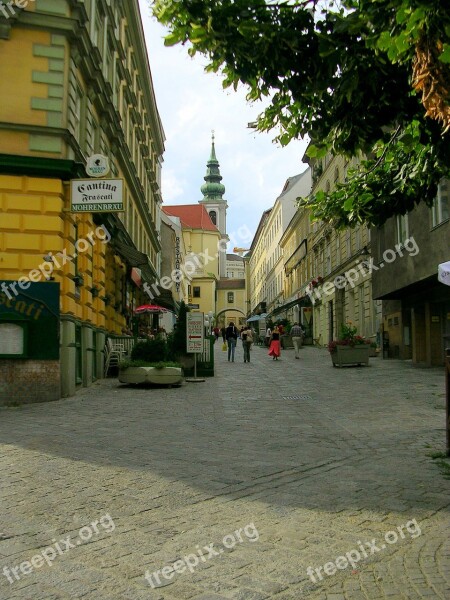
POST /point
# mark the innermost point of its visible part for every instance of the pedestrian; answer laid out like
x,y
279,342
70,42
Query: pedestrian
x,y
247,341
216,333
223,332
297,333
268,336
275,348
231,335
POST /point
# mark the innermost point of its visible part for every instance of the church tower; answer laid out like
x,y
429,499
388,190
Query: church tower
x,y
215,204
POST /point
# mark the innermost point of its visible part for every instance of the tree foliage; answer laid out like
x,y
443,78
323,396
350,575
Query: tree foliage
x,y
370,76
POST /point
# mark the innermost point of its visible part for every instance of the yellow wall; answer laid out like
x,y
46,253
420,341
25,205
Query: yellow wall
x,y
33,224
197,242
231,313
16,66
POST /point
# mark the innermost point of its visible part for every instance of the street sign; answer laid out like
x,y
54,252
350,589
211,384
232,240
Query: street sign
x,y
195,306
96,195
194,332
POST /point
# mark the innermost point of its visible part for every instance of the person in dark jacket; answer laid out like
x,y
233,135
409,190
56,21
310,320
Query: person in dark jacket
x,y
231,335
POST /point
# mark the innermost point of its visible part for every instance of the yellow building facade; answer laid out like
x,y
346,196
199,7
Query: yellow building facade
x,y
340,288
75,82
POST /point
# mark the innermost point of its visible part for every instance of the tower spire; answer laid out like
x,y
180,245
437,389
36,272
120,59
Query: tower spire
x,y
213,190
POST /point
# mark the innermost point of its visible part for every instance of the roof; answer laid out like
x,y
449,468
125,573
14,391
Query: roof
x,y
192,216
235,257
230,284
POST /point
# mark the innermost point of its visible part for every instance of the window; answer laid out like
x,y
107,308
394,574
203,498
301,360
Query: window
x,y
336,175
230,297
196,291
213,216
440,211
358,237
79,117
402,228
328,260
348,244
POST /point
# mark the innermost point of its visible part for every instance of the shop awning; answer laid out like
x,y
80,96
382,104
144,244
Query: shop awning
x,y
304,301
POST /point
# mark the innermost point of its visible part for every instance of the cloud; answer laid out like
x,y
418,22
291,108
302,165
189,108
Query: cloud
x,y
191,104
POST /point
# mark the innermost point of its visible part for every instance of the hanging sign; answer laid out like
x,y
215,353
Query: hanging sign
x,y
101,195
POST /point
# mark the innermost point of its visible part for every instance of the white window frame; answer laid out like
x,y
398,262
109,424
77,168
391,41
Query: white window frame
x,y
443,197
402,228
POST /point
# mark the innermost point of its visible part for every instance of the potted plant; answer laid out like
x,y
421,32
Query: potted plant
x,y
148,364
373,349
350,348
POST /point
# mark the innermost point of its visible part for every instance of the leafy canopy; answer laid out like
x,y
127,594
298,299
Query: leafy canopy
x,y
370,76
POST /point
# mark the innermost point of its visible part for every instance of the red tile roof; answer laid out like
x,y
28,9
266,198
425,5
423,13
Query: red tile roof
x,y
194,216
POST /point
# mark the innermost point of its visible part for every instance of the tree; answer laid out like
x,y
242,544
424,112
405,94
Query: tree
x,y
370,76
178,339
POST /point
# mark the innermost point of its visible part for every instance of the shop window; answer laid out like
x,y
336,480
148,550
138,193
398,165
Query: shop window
x,y
13,340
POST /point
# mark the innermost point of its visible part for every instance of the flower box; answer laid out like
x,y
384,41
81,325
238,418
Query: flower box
x,y
350,355
164,376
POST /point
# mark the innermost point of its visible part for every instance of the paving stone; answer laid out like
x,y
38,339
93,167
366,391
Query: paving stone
x,y
310,478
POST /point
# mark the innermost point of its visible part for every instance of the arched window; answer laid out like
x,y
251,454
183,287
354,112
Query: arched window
x,y
213,216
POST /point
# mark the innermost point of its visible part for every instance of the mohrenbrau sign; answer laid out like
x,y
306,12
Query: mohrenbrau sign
x,y
96,195
29,319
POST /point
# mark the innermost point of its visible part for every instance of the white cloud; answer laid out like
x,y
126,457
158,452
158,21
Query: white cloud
x,y
192,103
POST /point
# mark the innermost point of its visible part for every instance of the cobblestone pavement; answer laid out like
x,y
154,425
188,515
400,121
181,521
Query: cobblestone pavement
x,y
308,464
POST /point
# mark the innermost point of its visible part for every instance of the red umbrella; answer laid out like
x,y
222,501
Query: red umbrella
x,y
149,308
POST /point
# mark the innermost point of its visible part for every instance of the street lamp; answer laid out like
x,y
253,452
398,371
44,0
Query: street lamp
x,y
210,321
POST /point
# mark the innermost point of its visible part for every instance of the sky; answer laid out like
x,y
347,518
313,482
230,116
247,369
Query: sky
x,y
191,104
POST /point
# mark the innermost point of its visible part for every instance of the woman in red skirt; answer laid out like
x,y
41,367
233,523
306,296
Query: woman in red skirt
x,y
274,347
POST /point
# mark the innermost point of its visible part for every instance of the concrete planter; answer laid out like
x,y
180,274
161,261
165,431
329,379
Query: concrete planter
x,y
164,376
346,356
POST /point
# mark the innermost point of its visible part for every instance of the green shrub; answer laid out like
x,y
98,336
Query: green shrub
x,y
150,351
177,340
127,363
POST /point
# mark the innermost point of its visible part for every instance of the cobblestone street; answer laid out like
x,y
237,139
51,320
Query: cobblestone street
x,y
259,473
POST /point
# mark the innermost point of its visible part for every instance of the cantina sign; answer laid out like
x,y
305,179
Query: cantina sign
x,y
101,195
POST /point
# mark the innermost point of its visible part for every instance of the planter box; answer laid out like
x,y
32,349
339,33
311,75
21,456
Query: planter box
x,y
164,376
347,355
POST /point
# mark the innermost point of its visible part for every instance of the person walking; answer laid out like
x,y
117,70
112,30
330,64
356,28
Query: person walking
x,y
275,347
231,335
297,334
268,336
223,332
247,340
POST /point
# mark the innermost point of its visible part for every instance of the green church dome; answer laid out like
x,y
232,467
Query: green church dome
x,y
212,189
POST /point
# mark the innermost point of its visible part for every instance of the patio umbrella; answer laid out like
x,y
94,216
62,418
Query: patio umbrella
x,y
444,272
149,308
